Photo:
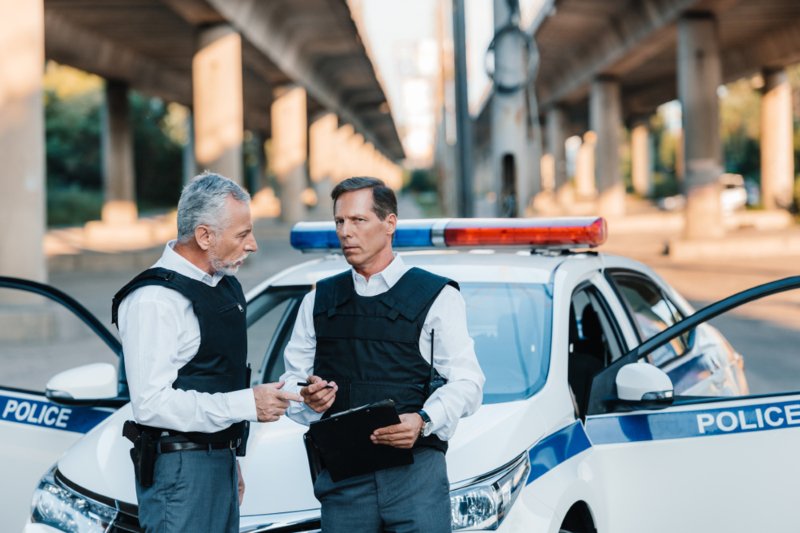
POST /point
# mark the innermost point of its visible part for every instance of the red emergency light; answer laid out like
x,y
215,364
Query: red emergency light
x,y
534,232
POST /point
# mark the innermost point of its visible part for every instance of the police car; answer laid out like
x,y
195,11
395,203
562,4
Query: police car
x,y
608,406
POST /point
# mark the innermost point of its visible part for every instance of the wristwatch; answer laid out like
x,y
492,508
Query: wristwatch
x,y
427,424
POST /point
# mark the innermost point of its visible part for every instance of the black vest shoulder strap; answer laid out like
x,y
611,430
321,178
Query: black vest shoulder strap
x,y
153,276
333,292
414,292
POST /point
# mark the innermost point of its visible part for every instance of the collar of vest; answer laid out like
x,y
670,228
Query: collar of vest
x,y
408,297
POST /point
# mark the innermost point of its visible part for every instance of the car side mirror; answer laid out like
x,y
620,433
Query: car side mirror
x,y
643,382
93,384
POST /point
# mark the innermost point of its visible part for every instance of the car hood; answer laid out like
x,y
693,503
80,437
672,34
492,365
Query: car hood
x,y
275,468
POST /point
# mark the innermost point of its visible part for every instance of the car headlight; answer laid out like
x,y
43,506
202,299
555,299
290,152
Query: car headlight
x,y
59,507
483,503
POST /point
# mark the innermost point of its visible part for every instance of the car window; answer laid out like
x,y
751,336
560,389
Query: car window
x,y
270,318
510,324
593,342
40,338
652,312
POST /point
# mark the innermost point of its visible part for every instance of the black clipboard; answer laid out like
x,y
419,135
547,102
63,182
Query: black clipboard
x,y
341,443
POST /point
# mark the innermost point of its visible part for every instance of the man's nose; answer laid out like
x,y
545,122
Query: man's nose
x,y
250,244
344,229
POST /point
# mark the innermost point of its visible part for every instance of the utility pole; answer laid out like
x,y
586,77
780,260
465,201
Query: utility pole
x,y
463,121
509,126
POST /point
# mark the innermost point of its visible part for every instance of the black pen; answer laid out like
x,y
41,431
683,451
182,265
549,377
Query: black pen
x,y
306,384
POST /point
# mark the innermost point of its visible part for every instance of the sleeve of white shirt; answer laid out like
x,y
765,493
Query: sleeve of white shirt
x,y
149,331
299,360
455,359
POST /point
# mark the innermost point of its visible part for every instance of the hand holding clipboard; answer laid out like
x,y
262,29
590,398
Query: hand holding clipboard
x,y
343,442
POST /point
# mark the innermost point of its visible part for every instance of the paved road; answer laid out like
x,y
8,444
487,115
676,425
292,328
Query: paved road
x,y
767,333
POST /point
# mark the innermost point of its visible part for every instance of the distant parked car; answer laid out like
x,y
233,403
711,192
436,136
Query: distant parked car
x,y
733,195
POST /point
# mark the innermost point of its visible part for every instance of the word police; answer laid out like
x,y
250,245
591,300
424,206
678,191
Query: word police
x,y
36,413
749,419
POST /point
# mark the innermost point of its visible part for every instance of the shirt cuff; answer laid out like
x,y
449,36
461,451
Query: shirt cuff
x,y
242,405
436,412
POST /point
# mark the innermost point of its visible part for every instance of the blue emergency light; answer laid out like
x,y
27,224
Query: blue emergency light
x,y
556,232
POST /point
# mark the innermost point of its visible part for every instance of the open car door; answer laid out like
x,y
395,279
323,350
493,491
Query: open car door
x,y
34,430
693,464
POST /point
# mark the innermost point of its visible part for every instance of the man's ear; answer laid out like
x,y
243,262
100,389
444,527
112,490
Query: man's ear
x,y
204,236
391,223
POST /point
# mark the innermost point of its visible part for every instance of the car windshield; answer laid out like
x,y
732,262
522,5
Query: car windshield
x,y
510,324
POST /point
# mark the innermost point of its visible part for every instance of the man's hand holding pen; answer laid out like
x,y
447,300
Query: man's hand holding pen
x,y
318,393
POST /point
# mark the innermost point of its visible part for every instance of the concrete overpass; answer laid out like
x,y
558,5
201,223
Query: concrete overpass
x,y
294,71
611,63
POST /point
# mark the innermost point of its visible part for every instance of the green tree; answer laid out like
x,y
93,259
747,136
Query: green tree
x,y
158,156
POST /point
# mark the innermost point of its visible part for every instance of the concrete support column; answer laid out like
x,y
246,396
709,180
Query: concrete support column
x,y
605,119
119,206
189,163
556,137
354,165
22,139
395,176
370,153
264,203
219,101
321,159
509,125
641,160
288,154
341,163
699,75
584,167
777,151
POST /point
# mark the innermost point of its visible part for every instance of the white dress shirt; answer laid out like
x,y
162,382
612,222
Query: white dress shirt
x,y
160,334
454,353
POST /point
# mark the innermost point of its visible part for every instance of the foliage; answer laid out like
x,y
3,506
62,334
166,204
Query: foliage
x,y
422,180
158,157
70,205
739,129
665,181
73,133
73,140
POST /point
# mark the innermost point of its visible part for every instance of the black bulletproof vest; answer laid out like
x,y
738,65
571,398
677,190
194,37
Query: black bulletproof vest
x,y
220,364
369,345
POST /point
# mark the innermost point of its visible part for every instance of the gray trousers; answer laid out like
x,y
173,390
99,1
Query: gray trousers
x,y
192,491
406,499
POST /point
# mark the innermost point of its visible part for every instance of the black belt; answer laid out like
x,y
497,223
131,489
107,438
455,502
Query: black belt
x,y
185,446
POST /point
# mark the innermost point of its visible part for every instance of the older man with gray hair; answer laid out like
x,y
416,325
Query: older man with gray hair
x,y
184,337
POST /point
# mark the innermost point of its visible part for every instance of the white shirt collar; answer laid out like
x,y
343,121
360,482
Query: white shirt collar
x,y
172,260
389,275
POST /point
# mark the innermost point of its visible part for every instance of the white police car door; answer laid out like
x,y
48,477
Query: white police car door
x,y
34,345
696,464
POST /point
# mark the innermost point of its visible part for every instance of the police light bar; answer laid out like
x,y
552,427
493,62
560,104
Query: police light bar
x,y
558,232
